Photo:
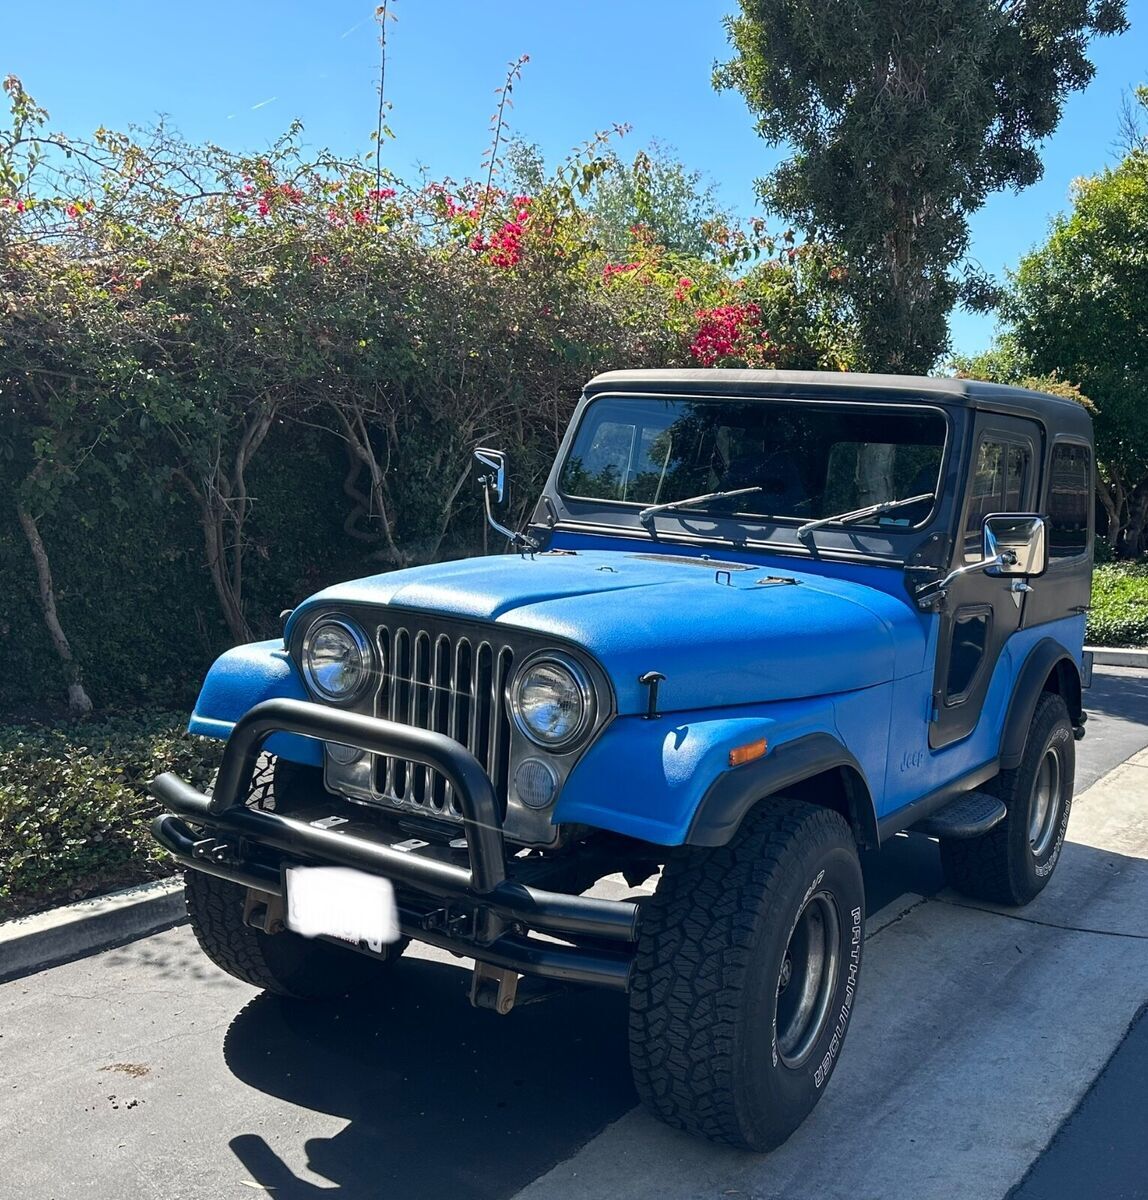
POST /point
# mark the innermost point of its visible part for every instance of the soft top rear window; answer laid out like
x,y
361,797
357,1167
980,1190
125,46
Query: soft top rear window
x,y
809,460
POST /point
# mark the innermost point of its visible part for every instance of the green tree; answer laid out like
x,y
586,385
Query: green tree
x,y
903,116
677,207
655,190
1079,306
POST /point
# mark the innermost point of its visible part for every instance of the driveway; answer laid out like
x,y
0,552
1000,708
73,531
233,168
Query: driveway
x,y
145,1071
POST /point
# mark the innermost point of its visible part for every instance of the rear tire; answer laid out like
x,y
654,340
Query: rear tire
x,y
1012,863
283,963
745,976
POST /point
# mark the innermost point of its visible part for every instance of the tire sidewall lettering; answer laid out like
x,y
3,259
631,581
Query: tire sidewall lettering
x,y
1044,868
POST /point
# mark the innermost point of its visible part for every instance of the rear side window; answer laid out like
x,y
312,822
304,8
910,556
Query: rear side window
x,y
1000,484
1069,499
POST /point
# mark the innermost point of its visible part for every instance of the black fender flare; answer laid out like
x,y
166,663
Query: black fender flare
x,y
1047,657
733,793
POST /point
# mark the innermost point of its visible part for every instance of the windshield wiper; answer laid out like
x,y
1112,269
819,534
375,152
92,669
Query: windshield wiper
x,y
858,514
647,514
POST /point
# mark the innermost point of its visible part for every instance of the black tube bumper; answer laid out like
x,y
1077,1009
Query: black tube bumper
x,y
473,911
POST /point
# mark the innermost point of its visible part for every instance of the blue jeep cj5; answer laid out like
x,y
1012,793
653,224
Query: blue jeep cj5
x,y
758,620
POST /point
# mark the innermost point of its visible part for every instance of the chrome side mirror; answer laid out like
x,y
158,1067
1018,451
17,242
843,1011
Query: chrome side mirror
x,y
1019,541
493,479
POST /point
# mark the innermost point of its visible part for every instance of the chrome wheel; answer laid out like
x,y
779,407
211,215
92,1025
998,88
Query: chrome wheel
x,y
808,979
1044,805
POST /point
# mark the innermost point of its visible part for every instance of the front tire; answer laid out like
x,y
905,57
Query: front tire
x,y
745,976
1012,863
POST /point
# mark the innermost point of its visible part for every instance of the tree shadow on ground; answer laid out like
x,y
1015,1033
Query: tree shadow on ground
x,y
441,1099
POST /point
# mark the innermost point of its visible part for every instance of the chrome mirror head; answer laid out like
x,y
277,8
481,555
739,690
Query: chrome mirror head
x,y
493,477
1020,540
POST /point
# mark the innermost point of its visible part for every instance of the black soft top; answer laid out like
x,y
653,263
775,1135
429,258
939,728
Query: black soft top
x,y
1055,412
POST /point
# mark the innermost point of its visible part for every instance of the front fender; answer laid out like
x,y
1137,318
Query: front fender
x,y
243,677
647,778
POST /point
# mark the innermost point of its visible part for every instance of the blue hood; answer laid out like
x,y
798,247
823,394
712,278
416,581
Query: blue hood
x,y
718,639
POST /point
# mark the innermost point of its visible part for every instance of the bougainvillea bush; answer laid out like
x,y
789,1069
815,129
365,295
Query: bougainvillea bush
x,y
227,379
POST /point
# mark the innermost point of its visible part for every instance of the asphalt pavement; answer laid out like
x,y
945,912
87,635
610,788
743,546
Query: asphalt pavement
x,y
983,1053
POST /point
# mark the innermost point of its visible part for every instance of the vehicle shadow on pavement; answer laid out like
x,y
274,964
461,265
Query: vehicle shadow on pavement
x,y
441,1099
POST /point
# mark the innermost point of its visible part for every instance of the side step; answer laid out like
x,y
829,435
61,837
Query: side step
x,y
967,816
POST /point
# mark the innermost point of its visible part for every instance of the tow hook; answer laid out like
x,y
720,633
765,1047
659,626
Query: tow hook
x,y
493,987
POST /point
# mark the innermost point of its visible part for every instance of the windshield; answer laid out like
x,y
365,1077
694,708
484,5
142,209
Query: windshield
x,y
807,459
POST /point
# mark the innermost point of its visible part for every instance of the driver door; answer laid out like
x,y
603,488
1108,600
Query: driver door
x,y
982,611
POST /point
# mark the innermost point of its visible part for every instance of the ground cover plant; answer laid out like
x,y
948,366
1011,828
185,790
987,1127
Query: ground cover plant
x,y
74,805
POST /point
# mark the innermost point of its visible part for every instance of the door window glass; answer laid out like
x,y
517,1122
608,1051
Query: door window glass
x,y
1069,498
999,484
970,637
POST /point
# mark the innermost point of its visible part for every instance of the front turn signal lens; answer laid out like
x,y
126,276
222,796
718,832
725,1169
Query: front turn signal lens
x,y
740,755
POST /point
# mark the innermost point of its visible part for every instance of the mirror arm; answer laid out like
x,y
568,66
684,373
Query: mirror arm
x,y
521,540
929,592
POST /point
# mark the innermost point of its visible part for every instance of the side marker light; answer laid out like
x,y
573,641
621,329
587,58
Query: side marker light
x,y
747,753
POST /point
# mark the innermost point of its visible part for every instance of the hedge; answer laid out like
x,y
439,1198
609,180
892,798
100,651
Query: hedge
x,y
1119,614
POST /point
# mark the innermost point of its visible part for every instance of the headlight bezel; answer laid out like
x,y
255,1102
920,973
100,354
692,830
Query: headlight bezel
x,y
583,684
367,655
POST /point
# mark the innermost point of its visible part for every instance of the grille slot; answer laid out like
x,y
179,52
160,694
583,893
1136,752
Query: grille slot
x,y
449,682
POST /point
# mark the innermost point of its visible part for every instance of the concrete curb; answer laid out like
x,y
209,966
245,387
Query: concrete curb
x,y
1119,656
46,939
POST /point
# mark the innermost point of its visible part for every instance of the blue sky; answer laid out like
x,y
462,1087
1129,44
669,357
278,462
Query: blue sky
x,y
238,73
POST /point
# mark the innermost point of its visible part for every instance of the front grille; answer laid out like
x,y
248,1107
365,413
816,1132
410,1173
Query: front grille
x,y
448,681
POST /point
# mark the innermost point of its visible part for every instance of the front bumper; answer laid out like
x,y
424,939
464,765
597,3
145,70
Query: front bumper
x,y
474,911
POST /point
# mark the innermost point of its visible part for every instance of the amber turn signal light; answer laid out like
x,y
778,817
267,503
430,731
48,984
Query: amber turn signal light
x,y
747,753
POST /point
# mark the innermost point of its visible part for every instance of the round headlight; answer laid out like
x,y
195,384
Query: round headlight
x,y
336,659
552,700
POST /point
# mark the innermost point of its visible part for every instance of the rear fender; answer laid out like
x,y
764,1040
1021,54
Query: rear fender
x,y
243,677
1049,667
668,780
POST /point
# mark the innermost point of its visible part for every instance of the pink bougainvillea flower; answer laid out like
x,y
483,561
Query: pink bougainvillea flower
x,y
612,269
684,286
722,332
262,208
381,194
505,247
359,217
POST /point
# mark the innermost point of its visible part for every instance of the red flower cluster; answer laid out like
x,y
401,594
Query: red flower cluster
x,y
684,286
506,244
379,194
612,269
359,216
722,332
284,191
8,202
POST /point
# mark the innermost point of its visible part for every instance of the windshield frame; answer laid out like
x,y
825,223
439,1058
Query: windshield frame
x,y
740,519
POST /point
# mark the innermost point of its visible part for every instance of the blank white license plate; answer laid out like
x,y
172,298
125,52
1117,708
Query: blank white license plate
x,y
343,903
